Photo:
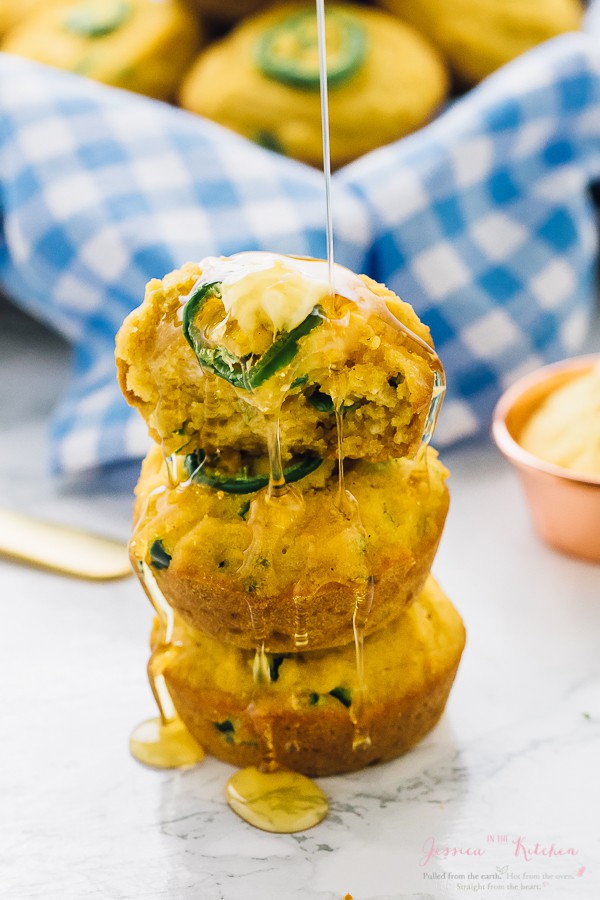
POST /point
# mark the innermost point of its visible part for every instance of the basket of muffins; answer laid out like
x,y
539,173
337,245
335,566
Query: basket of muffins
x,y
288,514
252,65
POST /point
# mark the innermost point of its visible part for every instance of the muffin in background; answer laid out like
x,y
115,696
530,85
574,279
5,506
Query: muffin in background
x,y
229,11
140,45
262,81
479,36
11,12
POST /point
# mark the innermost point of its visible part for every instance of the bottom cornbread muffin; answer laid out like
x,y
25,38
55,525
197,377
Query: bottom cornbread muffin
x,y
304,716
198,541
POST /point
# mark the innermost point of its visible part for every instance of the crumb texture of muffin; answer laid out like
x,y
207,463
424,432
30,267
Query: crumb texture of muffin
x,y
262,81
376,344
307,711
205,534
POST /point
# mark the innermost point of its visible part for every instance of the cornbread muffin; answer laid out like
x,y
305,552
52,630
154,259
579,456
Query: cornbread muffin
x,y
142,45
262,81
307,710
12,12
479,36
218,348
565,429
196,538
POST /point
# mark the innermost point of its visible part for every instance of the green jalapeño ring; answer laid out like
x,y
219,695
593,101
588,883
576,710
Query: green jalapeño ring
x,y
221,362
288,51
97,18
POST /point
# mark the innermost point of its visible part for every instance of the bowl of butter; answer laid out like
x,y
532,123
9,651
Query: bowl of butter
x,y
548,426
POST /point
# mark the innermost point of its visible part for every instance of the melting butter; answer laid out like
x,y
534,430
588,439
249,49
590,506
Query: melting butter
x,y
278,297
283,802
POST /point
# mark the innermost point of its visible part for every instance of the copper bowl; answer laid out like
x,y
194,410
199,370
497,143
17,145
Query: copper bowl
x,y
564,505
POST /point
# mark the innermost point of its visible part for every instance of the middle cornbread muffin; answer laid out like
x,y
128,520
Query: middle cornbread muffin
x,y
194,538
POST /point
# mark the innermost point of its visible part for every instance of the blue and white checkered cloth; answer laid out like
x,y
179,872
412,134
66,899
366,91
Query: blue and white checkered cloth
x,y
483,221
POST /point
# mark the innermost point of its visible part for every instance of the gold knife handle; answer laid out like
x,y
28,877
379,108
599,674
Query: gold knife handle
x,y
61,549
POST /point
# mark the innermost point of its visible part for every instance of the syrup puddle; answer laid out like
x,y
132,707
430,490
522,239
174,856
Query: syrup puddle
x,y
282,802
164,745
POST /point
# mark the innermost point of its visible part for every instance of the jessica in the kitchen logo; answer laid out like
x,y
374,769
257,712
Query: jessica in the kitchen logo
x,y
520,848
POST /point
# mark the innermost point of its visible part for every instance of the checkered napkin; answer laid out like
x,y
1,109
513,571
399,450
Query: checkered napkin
x,y
483,221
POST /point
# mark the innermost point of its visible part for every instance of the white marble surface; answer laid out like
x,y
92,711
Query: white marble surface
x,y
516,754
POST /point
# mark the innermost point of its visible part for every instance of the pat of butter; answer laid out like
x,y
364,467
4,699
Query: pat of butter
x,y
277,297
565,430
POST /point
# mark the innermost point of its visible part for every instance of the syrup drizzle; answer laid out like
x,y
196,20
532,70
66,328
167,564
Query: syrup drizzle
x,y
363,593
282,801
211,408
163,742
322,40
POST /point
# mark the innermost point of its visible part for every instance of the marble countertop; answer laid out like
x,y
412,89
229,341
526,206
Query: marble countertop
x,y
500,800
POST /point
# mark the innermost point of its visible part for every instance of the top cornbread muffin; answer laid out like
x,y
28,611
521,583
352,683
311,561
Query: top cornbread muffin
x,y
218,348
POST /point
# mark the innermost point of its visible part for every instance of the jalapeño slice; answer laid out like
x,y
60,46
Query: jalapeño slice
x,y
244,482
283,349
240,372
96,18
159,558
288,51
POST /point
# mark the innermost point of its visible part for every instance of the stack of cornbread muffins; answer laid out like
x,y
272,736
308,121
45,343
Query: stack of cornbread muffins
x,y
289,511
